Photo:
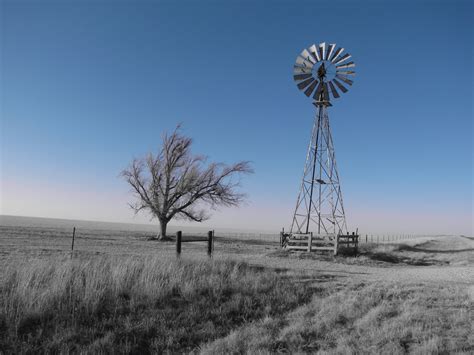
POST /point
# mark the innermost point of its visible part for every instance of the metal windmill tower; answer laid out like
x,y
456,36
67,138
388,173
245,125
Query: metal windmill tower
x,y
319,209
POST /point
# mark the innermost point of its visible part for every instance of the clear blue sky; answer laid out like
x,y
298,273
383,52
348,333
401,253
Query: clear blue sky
x,y
88,85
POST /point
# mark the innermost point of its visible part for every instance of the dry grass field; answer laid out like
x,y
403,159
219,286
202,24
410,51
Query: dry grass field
x,y
124,293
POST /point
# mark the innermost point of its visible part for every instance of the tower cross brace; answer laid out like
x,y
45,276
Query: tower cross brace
x,y
319,207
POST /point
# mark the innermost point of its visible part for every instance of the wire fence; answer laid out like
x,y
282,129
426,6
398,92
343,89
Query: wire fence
x,y
275,237
261,237
387,238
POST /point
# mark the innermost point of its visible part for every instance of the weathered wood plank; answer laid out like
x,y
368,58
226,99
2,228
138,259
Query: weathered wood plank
x,y
323,248
323,235
313,243
297,247
293,242
305,248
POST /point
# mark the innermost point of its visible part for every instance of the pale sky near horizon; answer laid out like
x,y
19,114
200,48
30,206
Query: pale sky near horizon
x,y
88,85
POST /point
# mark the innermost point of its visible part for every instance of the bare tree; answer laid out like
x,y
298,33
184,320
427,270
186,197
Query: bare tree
x,y
177,184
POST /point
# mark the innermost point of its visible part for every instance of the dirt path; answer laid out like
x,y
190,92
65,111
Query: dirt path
x,y
445,249
458,251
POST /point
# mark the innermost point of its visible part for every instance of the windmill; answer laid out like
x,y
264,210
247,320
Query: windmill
x,y
321,71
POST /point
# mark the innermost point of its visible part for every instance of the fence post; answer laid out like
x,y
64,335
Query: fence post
x,y
72,244
213,239
209,243
366,239
310,240
178,243
336,245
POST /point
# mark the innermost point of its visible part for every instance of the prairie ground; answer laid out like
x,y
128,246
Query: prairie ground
x,y
124,293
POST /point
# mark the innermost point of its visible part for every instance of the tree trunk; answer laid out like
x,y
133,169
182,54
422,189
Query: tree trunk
x,y
163,225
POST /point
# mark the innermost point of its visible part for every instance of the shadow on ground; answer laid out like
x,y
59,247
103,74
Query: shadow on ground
x,y
422,250
400,258
374,255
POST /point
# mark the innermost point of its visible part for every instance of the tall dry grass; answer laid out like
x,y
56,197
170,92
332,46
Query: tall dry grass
x,y
379,318
144,305
151,305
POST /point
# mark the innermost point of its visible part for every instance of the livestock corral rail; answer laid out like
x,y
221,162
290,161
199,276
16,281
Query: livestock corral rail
x,y
319,242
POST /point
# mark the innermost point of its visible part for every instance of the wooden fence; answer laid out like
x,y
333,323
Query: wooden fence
x,y
319,242
209,239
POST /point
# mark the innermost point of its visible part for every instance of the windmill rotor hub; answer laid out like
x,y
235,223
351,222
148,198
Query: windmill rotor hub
x,y
321,71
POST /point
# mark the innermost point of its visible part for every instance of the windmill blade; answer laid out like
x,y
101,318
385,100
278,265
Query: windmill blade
x,y
333,90
322,50
344,72
330,51
347,65
315,52
318,91
303,62
299,77
342,59
305,54
310,88
305,83
340,86
336,54
301,70
347,81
